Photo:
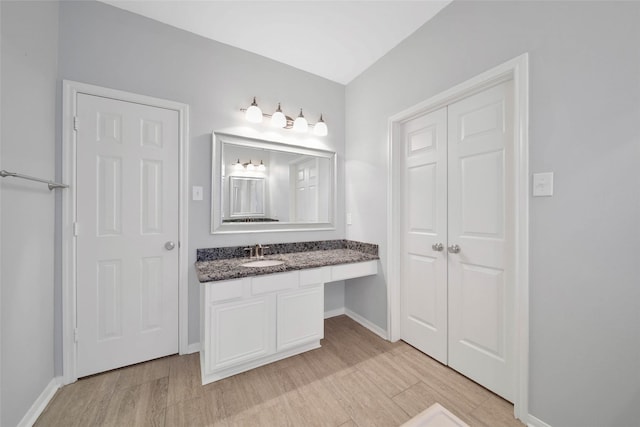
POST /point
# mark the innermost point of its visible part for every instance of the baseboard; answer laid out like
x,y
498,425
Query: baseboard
x,y
535,422
367,324
41,403
193,348
334,313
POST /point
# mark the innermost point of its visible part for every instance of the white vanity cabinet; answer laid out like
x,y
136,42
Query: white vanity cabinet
x,y
249,322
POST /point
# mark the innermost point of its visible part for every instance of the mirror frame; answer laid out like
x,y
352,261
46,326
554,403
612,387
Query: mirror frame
x,y
219,227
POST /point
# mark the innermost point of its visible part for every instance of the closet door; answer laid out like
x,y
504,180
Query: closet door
x,y
424,269
480,238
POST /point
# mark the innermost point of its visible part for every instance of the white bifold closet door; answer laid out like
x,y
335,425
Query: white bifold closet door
x,y
458,252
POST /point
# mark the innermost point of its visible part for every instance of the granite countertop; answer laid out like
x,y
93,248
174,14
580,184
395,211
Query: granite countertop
x,y
226,268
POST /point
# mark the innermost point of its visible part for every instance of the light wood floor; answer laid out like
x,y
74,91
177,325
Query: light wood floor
x,y
355,379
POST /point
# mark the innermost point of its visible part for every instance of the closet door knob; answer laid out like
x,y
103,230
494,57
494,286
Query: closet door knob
x,y
169,245
437,247
454,249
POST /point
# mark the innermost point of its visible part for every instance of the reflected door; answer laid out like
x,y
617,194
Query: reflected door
x,y
305,182
127,258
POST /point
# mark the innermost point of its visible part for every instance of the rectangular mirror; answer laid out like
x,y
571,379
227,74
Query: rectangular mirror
x,y
260,185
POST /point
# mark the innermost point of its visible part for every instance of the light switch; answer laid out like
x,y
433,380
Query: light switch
x,y
349,218
543,184
196,193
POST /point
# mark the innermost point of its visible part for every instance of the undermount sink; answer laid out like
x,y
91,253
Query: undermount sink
x,y
263,263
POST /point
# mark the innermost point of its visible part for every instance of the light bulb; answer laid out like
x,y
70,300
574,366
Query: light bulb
x,y
300,124
254,113
261,167
278,119
320,128
250,166
238,166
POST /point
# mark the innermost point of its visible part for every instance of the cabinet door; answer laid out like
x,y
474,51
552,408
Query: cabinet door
x,y
300,317
240,331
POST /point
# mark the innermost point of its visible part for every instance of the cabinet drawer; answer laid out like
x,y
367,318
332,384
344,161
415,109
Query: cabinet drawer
x,y
314,276
349,271
274,282
224,291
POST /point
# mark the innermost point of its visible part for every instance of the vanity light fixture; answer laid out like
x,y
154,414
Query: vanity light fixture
x,y
278,120
320,129
300,124
254,114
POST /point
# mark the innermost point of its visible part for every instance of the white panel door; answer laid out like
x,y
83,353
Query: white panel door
x,y
481,238
424,274
127,211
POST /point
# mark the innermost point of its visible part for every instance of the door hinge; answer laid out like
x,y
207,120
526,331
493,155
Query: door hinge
x,y
75,335
75,122
75,229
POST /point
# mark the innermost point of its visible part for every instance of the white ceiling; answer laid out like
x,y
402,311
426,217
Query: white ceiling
x,y
337,40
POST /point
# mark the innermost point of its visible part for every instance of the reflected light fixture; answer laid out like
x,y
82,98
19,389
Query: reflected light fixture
x,y
249,166
254,114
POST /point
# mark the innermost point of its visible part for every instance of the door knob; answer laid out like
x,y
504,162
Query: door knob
x,y
437,247
169,245
454,249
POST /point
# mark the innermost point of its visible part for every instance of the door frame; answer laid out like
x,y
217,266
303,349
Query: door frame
x,y
516,69
70,90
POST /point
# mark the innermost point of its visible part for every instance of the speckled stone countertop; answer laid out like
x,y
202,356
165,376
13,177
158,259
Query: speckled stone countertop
x,y
217,264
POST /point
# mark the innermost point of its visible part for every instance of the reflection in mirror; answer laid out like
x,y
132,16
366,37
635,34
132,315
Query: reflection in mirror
x,y
246,197
264,185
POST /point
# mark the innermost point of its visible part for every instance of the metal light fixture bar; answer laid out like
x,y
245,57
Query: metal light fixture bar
x,y
289,124
254,114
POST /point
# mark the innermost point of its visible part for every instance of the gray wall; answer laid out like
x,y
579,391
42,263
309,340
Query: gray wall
x,y
585,240
29,70
109,47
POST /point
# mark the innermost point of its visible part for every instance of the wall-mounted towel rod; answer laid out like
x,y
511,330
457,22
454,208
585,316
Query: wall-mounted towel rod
x,y
52,185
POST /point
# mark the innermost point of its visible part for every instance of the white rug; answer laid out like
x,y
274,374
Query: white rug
x,y
435,416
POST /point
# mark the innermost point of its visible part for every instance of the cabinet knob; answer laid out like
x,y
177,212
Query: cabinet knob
x,y
438,247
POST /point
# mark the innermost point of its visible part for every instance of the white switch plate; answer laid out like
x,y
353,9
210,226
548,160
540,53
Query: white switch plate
x,y
349,218
196,193
543,184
